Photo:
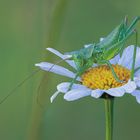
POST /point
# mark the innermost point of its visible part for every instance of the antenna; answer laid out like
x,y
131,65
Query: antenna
x,y
20,84
26,79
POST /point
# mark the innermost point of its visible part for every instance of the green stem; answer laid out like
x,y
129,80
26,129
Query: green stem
x,y
109,117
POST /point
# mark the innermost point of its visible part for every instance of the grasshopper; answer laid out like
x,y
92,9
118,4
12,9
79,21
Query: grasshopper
x,y
100,53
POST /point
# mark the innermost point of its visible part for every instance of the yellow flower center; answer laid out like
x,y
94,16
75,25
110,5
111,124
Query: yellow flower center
x,y
101,77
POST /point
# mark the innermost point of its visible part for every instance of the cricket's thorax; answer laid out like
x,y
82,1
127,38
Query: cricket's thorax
x,y
98,57
101,77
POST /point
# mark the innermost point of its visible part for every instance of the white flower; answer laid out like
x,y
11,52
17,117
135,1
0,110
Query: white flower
x,y
80,90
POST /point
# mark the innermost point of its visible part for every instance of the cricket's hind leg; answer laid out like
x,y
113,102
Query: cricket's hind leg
x,y
132,25
134,56
113,72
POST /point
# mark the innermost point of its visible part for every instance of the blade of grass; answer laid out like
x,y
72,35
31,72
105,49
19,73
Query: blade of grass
x,y
52,39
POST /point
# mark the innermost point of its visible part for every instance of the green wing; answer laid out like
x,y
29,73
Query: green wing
x,y
113,37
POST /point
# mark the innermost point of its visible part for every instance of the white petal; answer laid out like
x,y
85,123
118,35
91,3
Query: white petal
x,y
136,93
97,93
63,87
58,53
129,87
117,92
115,60
54,96
138,98
56,69
138,83
101,39
127,57
137,73
87,45
70,62
76,94
137,64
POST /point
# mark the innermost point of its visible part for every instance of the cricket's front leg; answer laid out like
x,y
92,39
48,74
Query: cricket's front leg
x,y
79,73
72,82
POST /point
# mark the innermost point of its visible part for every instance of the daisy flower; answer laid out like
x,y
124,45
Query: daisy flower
x,y
98,79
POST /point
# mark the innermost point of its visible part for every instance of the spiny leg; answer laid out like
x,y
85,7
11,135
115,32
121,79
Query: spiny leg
x,y
134,57
129,30
113,72
79,73
72,82
131,27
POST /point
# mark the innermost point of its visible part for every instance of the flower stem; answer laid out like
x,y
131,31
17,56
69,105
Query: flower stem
x,y
109,117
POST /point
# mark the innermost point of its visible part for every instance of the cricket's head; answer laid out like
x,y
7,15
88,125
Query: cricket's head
x,y
82,56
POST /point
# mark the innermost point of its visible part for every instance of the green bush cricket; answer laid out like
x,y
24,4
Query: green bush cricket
x,y
105,50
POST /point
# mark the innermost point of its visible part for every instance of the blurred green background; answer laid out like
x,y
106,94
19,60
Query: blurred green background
x,y
27,27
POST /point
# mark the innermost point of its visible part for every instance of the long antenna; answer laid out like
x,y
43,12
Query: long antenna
x,y
26,79
20,84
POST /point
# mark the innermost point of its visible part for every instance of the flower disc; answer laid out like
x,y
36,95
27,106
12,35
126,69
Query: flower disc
x,y
101,77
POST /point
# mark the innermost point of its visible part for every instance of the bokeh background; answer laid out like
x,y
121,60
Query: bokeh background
x,y
27,27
